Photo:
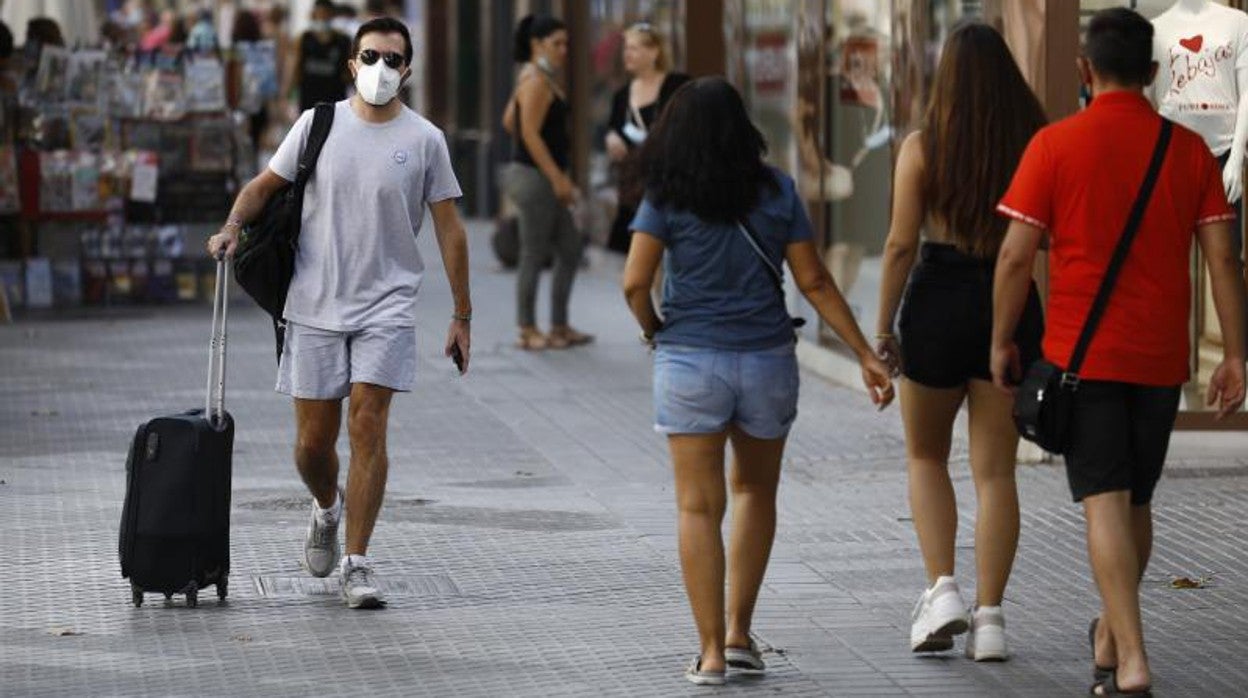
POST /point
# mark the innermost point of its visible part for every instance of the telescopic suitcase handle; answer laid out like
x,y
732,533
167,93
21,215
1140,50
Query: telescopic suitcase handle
x,y
214,400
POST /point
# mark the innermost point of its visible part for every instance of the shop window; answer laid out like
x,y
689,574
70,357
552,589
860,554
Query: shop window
x,y
834,85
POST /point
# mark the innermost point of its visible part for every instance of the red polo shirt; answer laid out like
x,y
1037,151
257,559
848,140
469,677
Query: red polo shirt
x,y
1078,179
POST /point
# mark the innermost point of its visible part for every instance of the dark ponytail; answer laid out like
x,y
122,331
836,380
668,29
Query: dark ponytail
x,y
530,28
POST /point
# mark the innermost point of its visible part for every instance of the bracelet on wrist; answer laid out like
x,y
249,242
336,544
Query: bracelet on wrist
x,y
234,223
462,317
885,335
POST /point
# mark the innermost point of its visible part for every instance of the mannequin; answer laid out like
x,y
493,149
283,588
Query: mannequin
x,y
1201,48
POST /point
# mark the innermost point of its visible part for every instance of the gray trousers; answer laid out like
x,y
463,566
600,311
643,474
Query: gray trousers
x,y
546,229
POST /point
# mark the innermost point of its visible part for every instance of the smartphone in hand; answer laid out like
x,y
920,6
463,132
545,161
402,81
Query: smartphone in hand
x,y
457,356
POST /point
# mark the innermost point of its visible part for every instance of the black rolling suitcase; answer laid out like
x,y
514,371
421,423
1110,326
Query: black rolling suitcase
x,y
175,524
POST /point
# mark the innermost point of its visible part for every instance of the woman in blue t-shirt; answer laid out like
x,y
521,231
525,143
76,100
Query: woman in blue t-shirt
x,y
725,369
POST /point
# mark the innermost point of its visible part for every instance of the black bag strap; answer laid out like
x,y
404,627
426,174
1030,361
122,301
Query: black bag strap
x,y
751,236
322,121
1071,376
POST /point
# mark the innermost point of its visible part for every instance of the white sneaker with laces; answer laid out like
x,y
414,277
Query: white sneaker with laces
x,y
939,615
320,546
986,641
359,586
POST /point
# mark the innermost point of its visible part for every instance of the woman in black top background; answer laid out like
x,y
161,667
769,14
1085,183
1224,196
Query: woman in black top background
x,y
537,182
634,109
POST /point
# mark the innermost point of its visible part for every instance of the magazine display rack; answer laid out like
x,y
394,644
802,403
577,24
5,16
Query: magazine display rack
x,y
116,163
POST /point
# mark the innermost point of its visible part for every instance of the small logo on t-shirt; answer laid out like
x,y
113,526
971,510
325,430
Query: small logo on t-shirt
x,y
400,157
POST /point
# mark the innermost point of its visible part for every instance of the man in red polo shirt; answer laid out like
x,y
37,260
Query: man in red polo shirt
x,y
1076,182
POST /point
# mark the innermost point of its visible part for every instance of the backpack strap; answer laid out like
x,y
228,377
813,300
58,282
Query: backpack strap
x,y
322,121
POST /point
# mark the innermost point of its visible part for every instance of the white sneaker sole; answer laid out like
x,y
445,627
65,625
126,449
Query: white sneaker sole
x,y
941,638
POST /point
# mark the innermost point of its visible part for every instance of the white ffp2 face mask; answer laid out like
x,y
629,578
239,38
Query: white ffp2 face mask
x,y
377,83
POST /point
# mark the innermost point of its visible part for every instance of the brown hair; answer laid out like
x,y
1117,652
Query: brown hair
x,y
650,38
981,116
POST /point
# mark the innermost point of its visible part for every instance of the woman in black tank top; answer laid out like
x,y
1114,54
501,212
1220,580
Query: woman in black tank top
x,y
537,182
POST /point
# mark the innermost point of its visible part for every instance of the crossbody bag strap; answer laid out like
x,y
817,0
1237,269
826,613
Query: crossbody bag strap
x,y
1120,254
751,236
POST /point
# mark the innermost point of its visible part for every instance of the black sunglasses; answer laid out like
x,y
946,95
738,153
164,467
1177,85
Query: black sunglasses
x,y
394,60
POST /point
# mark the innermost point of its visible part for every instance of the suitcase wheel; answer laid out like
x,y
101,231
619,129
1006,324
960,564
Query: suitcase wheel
x,y
223,587
136,595
192,599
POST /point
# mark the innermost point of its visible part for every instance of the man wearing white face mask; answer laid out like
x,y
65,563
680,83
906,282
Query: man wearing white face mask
x,y
350,312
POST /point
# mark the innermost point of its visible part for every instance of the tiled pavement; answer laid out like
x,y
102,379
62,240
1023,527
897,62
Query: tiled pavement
x,y
528,537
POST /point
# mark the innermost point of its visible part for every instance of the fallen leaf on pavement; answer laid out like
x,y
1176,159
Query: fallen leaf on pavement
x,y
63,632
1189,583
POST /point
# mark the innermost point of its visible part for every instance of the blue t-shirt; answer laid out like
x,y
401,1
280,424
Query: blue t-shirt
x,y
716,291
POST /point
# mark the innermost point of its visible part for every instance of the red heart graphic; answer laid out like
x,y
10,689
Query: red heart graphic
x,y
1193,44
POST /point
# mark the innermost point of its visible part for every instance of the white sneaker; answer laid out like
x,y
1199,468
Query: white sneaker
x,y
938,616
360,588
986,642
320,545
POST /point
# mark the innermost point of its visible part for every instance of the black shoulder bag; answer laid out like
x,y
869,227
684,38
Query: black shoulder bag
x,y
777,278
1045,399
264,262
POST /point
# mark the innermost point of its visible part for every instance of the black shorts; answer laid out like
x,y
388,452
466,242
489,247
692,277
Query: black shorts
x,y
946,319
1119,437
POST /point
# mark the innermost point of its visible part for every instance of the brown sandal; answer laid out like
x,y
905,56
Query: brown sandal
x,y
532,339
565,336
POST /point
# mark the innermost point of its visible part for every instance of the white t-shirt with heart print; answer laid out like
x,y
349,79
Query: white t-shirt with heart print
x,y
1197,57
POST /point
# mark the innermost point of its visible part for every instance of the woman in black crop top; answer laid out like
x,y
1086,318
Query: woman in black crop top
x,y
538,184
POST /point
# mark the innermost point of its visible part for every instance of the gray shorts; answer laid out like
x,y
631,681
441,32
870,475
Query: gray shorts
x,y
322,364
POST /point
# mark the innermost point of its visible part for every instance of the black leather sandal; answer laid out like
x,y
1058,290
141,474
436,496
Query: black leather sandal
x,y
1099,673
1109,687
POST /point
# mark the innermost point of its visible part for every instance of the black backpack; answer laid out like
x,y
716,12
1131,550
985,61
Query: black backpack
x,y
264,262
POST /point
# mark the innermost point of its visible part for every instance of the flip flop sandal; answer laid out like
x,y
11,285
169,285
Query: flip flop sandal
x,y
1099,673
1109,687
747,660
696,675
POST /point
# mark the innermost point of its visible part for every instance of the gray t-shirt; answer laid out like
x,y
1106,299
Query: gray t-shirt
x,y
358,265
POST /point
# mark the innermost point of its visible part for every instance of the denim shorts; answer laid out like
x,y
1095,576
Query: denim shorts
x,y
705,391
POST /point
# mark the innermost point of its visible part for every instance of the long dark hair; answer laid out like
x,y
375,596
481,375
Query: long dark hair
x,y
981,116
533,27
705,155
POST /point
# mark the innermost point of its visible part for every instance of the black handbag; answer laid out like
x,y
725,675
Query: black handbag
x,y
264,261
1044,402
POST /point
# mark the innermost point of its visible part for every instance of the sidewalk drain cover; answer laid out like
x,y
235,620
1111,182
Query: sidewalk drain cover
x,y
424,585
